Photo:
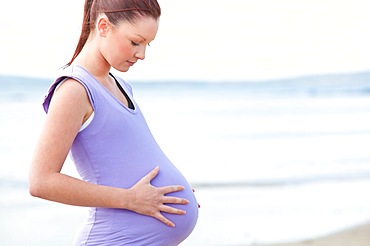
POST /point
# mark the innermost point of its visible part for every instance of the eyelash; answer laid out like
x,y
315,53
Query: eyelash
x,y
137,44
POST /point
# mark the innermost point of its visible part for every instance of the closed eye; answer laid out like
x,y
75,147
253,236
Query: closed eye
x,y
134,44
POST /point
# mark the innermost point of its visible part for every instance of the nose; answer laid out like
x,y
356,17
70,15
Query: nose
x,y
140,54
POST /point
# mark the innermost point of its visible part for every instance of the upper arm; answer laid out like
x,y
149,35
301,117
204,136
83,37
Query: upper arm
x,y
68,109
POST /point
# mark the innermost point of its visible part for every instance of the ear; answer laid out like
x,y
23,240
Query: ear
x,y
103,26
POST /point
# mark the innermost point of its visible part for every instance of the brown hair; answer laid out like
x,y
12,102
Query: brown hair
x,y
116,11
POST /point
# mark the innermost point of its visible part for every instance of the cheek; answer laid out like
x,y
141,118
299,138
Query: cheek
x,y
124,50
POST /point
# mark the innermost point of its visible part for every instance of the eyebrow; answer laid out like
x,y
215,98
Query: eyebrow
x,y
141,36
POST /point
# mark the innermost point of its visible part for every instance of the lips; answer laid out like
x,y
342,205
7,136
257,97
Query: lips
x,y
131,63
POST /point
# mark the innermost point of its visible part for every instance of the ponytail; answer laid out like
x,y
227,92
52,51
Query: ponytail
x,y
85,30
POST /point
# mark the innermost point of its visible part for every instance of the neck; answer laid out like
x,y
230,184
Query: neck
x,y
91,59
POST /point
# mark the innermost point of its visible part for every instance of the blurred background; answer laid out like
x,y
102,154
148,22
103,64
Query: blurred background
x,y
263,105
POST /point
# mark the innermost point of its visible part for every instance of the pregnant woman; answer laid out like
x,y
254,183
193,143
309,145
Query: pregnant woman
x,y
135,195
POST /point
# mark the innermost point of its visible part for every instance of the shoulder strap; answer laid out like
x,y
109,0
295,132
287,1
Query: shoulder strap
x,y
75,72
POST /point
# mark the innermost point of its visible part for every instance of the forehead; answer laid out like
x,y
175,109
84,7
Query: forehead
x,y
146,27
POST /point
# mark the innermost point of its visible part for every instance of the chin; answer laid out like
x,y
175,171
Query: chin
x,y
122,69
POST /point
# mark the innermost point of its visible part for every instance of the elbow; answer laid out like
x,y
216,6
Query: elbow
x,y
36,187
33,189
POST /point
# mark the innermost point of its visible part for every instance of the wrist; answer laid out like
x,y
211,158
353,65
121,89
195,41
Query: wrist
x,y
127,198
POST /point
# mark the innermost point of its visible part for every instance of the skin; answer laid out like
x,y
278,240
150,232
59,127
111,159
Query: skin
x,y
108,46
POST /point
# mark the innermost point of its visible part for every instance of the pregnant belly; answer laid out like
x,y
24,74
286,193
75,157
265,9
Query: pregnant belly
x,y
171,176
123,227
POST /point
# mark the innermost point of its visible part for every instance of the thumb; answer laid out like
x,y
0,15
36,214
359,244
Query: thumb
x,y
151,175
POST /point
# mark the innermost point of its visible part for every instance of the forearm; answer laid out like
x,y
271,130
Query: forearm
x,y
62,188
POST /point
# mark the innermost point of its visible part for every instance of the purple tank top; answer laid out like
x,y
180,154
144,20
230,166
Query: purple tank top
x,y
117,149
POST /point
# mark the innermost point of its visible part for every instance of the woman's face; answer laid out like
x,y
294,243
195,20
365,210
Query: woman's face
x,y
126,43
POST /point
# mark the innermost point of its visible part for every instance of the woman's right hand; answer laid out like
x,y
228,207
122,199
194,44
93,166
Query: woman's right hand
x,y
151,201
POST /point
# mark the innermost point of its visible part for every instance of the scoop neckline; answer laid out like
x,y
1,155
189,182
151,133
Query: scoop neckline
x,y
133,111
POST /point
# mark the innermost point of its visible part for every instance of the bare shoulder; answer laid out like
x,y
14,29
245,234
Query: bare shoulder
x,y
71,87
71,97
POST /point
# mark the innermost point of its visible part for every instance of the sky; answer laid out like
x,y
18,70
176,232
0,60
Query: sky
x,y
211,40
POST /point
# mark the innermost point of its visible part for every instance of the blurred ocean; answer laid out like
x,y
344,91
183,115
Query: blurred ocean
x,y
270,161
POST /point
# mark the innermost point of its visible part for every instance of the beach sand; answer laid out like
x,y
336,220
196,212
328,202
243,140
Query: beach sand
x,y
357,236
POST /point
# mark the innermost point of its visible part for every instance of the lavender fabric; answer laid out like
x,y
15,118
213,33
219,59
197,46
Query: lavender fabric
x,y
117,149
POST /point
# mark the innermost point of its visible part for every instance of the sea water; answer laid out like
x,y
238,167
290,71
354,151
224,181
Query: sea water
x,y
269,161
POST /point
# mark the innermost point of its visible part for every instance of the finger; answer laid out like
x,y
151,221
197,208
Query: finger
x,y
152,174
172,210
175,200
164,220
172,188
